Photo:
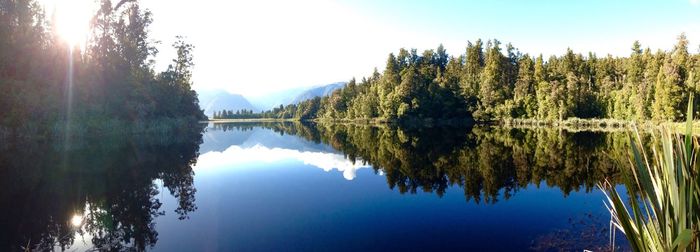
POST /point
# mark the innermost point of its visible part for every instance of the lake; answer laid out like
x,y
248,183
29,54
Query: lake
x,y
312,187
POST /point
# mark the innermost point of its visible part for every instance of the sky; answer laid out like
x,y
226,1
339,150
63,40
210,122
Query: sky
x,y
257,47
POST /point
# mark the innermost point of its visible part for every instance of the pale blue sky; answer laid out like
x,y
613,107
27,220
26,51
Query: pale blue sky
x,y
255,47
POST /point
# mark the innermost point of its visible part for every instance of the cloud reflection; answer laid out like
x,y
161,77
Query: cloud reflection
x,y
235,155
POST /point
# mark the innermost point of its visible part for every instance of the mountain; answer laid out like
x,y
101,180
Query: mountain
x,y
318,91
294,95
274,99
217,100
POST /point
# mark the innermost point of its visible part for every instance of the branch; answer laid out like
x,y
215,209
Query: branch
x,y
122,2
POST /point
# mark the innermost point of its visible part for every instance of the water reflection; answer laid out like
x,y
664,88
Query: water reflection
x,y
235,156
97,194
488,163
103,193
543,181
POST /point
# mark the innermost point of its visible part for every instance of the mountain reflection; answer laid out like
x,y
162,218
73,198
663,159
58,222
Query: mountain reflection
x,y
487,163
259,153
97,194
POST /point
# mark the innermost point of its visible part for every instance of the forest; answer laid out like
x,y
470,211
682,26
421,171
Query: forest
x,y
490,82
46,82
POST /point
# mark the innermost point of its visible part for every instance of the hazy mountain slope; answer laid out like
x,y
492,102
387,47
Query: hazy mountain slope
x,y
218,100
293,95
318,91
276,98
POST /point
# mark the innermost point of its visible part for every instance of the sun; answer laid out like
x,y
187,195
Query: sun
x,y
71,19
76,220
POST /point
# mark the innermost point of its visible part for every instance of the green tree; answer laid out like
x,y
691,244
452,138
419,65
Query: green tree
x,y
524,91
493,89
471,78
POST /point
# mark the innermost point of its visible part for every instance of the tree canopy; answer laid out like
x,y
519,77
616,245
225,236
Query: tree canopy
x,y
492,82
44,80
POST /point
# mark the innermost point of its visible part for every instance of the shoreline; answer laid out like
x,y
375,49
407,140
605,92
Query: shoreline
x,y
598,125
249,120
570,124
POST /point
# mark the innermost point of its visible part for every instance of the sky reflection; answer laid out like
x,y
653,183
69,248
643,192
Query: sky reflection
x,y
235,156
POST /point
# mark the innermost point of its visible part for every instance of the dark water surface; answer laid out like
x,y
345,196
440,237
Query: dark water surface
x,y
294,187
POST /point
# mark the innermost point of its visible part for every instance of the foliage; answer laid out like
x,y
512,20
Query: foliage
x,y
45,81
666,215
490,83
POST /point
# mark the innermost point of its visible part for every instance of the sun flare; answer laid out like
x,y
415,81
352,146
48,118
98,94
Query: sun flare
x,y
76,220
71,19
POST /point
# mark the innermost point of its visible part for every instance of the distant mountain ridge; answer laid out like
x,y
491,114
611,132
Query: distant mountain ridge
x,y
321,91
217,100
274,99
294,95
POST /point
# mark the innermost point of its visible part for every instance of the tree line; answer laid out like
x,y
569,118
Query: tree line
x,y
239,114
45,81
492,82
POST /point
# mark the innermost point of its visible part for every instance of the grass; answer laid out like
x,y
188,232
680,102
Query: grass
x,y
663,192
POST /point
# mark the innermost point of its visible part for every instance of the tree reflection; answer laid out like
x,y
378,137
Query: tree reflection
x,y
109,182
488,163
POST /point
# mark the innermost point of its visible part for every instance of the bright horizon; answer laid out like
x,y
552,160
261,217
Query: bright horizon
x,y
257,47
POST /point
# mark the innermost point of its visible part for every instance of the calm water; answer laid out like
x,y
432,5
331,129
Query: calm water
x,y
294,187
